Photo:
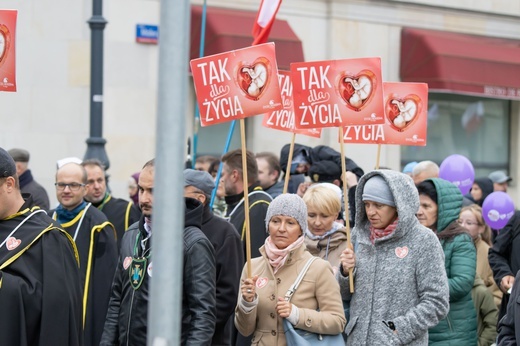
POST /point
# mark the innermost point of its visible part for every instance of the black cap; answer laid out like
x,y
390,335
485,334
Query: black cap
x,y
324,171
7,165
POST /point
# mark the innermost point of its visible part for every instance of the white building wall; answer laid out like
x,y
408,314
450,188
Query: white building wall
x,y
49,115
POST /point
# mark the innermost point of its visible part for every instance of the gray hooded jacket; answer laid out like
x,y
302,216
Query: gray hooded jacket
x,y
400,278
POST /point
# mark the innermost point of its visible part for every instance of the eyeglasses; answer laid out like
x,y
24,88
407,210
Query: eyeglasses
x,y
72,186
468,223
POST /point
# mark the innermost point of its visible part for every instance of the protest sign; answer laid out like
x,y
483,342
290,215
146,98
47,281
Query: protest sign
x,y
283,119
236,84
7,50
337,93
406,115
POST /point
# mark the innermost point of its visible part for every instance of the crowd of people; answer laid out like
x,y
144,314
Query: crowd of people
x,y
403,259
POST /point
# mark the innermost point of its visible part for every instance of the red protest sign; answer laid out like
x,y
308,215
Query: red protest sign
x,y
283,119
338,92
7,50
406,115
236,84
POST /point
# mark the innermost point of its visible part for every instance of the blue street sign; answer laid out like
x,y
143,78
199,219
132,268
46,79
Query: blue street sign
x,y
145,33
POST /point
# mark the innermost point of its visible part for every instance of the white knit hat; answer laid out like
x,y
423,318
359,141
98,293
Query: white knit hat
x,y
288,204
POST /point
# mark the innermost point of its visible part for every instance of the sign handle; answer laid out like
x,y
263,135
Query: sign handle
x,y
246,196
289,160
345,202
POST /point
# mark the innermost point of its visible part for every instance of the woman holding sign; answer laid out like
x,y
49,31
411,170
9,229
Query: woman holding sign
x,y
316,305
401,288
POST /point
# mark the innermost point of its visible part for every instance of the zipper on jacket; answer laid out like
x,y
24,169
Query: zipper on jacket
x,y
129,319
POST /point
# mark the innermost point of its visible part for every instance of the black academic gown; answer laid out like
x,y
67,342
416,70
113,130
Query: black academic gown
x,y
40,293
97,247
120,213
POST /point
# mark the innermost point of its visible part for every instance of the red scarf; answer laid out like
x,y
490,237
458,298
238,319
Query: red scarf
x,y
380,233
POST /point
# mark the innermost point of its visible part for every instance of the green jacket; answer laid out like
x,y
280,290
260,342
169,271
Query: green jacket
x,y
460,326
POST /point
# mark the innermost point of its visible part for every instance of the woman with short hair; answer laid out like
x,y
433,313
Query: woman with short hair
x,y
325,237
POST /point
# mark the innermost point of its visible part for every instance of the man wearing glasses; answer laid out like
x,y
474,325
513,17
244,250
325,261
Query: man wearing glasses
x,y
95,239
120,213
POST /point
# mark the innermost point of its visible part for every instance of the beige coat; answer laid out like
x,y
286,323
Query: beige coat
x,y
318,290
329,248
484,270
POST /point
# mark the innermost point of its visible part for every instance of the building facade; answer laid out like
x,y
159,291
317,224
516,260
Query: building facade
x,y
473,111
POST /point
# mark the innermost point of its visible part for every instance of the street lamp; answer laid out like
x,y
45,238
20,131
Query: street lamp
x,y
96,142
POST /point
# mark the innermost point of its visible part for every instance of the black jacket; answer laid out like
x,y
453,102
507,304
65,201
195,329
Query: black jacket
x,y
127,311
259,201
504,256
229,259
509,326
318,153
198,296
97,249
120,213
41,292
38,192
126,322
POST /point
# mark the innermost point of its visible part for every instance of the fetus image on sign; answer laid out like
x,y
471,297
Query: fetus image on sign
x,y
402,112
258,77
253,78
357,89
407,110
362,88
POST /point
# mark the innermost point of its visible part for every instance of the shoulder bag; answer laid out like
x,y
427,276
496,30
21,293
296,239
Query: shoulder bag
x,y
299,337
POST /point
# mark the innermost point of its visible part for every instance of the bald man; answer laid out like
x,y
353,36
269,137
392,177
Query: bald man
x,y
425,170
95,239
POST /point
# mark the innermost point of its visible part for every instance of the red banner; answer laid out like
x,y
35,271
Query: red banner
x,y
283,119
406,115
236,84
338,92
7,50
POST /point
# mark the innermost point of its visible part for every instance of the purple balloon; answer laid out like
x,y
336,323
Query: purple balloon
x,y
458,170
497,209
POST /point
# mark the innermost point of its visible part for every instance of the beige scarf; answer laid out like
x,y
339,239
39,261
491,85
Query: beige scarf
x,y
278,256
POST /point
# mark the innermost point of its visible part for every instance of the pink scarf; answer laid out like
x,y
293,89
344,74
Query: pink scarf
x,y
380,233
278,256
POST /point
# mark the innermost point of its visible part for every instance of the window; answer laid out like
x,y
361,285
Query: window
x,y
475,127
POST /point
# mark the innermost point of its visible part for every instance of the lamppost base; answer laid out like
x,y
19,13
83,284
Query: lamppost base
x,y
96,150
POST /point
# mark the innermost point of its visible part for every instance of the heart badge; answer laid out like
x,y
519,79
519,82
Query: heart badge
x,y
401,252
357,89
254,78
126,262
5,42
12,243
402,112
261,282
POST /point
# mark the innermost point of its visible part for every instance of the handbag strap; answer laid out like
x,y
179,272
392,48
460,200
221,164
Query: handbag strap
x,y
299,279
